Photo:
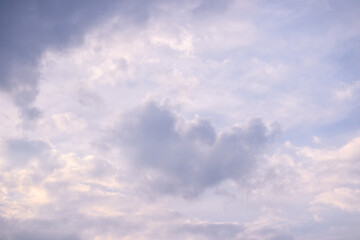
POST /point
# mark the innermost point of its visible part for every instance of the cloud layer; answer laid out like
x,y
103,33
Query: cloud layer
x,y
179,120
190,158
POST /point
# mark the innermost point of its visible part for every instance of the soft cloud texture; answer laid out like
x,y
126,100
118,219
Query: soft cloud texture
x,y
179,120
190,158
32,27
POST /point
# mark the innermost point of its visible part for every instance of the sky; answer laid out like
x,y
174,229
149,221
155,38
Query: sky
x,y
191,120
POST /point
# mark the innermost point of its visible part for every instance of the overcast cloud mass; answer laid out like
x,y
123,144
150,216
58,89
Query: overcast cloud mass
x,y
196,119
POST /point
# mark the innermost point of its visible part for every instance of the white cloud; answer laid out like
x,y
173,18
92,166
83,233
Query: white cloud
x,y
68,122
344,198
347,91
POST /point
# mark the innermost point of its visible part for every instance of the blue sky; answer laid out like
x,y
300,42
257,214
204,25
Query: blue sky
x,y
179,120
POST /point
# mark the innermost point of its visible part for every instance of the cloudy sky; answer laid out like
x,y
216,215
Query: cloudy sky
x,y
195,120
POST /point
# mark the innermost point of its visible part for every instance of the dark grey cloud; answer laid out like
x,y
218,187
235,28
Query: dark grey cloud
x,y
212,6
219,230
77,226
272,233
28,28
187,161
234,231
19,152
283,237
68,224
211,230
14,229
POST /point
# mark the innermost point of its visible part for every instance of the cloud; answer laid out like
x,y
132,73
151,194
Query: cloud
x,y
147,227
35,230
32,27
344,198
232,230
188,159
211,230
159,172
20,152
